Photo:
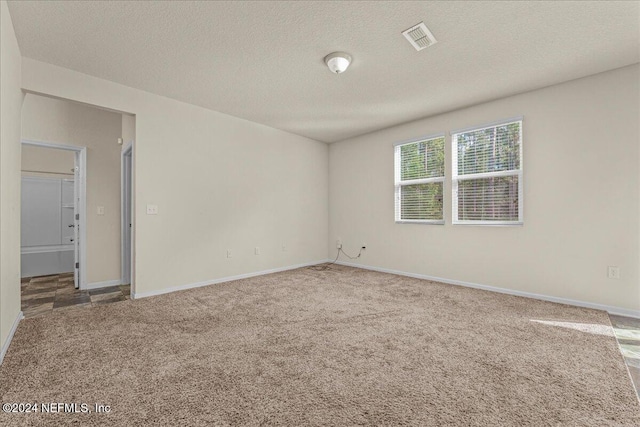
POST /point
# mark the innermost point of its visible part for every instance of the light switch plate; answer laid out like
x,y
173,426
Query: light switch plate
x,y
100,210
152,209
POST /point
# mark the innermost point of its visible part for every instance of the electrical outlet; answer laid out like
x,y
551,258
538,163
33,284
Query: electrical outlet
x,y
339,244
229,253
152,209
613,272
257,250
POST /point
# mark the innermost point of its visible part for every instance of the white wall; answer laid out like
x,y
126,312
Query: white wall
x,y
69,123
10,104
219,182
581,212
47,162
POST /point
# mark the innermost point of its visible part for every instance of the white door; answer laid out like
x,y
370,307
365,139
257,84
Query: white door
x,y
126,215
76,222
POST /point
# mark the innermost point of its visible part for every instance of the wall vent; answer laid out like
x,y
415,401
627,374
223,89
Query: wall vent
x,y
419,36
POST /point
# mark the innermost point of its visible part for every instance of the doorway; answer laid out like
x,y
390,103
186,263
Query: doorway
x,y
53,213
94,242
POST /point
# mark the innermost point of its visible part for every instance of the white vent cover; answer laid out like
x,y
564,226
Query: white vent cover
x,y
419,36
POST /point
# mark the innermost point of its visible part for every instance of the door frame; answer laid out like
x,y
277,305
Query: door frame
x,y
126,203
81,163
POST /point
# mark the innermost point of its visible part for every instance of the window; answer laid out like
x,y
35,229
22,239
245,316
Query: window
x,y
419,179
487,174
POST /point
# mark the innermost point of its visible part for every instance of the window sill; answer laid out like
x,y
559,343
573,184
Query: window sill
x,y
491,223
418,221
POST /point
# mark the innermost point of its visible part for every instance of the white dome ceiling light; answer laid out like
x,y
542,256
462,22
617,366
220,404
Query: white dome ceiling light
x,y
338,62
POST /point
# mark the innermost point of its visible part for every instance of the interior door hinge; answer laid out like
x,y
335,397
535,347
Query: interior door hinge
x,y
77,265
77,216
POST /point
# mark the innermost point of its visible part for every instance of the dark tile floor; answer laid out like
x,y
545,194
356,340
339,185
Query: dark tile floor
x,y
627,331
42,295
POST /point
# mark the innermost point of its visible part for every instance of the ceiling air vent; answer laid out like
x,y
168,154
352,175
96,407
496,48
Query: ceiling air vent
x,y
419,36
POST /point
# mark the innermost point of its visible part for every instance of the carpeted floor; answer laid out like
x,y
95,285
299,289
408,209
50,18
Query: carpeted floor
x,y
338,347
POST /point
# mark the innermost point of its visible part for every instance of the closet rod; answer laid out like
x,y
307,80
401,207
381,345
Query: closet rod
x,y
55,173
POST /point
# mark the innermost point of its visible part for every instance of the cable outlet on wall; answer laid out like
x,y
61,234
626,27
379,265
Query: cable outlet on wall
x,y
229,253
338,244
613,272
256,250
364,246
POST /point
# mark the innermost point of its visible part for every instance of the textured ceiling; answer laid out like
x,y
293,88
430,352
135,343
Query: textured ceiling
x,y
263,61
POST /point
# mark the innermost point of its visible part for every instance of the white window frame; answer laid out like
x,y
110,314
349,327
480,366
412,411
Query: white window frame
x,y
399,182
455,178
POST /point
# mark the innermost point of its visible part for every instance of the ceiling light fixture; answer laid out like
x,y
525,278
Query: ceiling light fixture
x,y
338,62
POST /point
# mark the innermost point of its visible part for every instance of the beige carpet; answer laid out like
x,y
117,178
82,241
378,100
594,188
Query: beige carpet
x,y
338,347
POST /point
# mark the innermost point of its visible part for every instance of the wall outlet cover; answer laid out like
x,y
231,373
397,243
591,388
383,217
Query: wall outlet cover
x,y
613,272
152,209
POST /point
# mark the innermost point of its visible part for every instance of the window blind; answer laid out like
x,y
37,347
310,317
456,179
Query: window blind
x,y
487,177
419,170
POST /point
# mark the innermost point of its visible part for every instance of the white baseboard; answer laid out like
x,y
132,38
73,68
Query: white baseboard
x,y
136,295
98,285
608,308
7,343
